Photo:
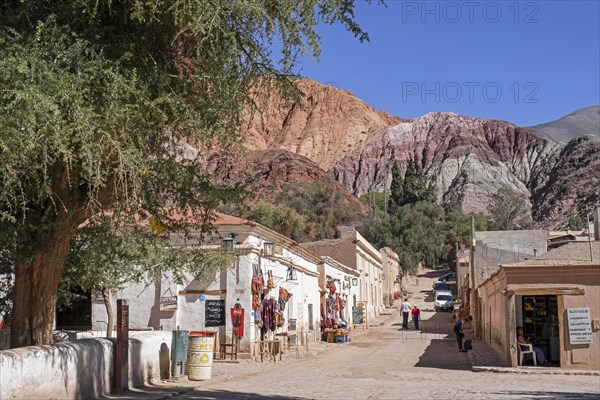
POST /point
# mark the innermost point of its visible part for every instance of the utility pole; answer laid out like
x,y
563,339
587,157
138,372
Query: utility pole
x,y
590,238
473,281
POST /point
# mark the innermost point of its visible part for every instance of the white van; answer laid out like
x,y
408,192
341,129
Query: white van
x,y
443,300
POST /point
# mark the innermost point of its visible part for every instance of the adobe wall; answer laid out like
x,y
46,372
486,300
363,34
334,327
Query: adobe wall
x,y
80,369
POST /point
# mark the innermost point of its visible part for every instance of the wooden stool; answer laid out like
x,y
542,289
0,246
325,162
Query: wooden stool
x,y
233,346
270,348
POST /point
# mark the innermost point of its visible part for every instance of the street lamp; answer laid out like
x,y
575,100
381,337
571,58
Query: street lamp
x,y
229,244
291,274
354,281
269,249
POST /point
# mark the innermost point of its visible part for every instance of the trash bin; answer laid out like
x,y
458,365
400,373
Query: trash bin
x,y
179,347
200,355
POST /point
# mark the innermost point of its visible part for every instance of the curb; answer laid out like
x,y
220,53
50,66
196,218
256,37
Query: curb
x,y
534,371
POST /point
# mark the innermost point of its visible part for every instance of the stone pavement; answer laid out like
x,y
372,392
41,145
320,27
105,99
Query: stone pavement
x,y
385,362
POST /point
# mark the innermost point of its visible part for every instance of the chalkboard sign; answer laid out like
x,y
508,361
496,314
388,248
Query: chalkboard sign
x,y
214,312
357,315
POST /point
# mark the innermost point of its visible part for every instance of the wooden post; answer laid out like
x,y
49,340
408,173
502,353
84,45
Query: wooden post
x,y
122,346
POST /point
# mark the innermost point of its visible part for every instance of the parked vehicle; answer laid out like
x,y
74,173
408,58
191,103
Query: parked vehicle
x,y
451,276
440,286
443,301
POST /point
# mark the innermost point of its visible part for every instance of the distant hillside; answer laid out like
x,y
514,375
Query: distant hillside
x,y
580,123
333,136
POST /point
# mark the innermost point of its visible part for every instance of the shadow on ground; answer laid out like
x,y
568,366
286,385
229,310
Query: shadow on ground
x,y
443,354
164,393
429,297
434,273
546,395
440,323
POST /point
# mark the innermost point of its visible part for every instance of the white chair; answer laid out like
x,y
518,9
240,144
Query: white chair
x,y
526,348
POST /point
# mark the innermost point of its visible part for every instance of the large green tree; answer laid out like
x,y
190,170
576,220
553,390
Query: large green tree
x,y
413,231
107,255
322,206
413,188
508,210
279,217
97,99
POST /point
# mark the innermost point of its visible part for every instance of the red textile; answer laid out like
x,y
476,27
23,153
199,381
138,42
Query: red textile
x,y
237,319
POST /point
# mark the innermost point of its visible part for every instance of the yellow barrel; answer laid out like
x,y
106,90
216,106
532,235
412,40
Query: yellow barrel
x,y
200,355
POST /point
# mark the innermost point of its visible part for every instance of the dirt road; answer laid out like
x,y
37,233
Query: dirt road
x,y
389,363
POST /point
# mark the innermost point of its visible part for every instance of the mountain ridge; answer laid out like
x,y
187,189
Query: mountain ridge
x,y
332,135
582,122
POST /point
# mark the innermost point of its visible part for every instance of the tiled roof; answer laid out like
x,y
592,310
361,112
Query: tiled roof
x,y
225,219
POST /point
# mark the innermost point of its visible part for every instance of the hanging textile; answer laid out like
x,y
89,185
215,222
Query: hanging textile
x,y
237,320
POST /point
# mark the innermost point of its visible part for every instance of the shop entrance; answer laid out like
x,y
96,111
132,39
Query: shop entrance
x,y
538,315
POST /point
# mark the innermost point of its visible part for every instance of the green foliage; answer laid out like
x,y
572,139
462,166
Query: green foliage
x,y
322,206
576,223
106,255
279,217
376,203
7,256
457,226
98,98
413,232
413,188
508,211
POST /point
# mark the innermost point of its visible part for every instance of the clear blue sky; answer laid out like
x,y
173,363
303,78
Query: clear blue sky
x,y
524,62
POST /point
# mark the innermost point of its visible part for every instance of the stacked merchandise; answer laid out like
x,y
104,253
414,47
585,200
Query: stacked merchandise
x,y
268,312
332,317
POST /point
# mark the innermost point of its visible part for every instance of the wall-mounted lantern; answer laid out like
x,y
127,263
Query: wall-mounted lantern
x,y
229,244
291,274
354,281
382,277
269,249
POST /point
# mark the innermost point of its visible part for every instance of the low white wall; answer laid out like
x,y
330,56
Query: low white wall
x,y
80,369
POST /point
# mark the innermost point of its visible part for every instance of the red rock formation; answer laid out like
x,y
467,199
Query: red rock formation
x,y
325,125
268,171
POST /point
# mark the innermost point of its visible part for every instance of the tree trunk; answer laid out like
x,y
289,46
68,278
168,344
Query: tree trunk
x,y
37,274
106,294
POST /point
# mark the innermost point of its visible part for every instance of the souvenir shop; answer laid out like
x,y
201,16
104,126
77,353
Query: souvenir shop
x,y
268,302
334,319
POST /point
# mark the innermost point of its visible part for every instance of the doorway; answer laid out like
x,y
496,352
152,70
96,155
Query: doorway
x,y
539,319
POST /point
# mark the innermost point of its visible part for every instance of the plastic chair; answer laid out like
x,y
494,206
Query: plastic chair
x,y
526,348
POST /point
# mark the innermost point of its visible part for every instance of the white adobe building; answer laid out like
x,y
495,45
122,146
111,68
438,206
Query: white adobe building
x,y
169,305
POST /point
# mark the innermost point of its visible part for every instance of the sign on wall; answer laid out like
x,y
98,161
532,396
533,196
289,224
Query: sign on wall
x,y
357,315
168,303
580,325
214,312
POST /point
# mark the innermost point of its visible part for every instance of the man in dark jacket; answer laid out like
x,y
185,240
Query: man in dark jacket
x,y
458,330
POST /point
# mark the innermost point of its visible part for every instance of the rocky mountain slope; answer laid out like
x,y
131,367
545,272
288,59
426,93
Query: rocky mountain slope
x,y
573,185
579,123
334,136
324,126
268,171
468,158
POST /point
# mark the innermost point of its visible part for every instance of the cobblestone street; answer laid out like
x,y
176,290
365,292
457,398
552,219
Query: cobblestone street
x,y
383,363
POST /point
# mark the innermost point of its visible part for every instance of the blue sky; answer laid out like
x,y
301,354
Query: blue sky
x,y
524,62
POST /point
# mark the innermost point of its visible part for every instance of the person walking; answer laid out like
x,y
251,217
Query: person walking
x,y
458,331
405,311
416,313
